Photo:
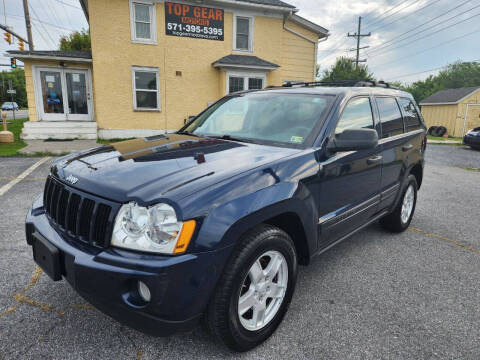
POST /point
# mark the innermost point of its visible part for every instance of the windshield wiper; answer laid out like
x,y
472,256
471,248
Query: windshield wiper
x,y
231,138
187,133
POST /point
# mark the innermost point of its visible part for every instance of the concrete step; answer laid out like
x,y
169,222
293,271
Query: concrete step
x,y
60,124
45,136
42,130
60,130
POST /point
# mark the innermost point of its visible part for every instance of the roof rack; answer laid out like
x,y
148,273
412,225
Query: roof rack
x,y
340,83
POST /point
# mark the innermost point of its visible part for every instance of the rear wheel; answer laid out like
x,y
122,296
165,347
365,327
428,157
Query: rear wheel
x,y
399,220
255,289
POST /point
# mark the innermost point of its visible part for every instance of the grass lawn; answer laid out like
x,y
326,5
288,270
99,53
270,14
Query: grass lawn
x,y
14,126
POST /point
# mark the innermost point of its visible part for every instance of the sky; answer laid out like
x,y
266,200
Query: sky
x,y
408,38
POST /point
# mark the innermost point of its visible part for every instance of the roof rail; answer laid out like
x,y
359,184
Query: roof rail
x,y
340,83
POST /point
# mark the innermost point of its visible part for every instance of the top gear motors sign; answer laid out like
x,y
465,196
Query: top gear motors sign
x,y
194,21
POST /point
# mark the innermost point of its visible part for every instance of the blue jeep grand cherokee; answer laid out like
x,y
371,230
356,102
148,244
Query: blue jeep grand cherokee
x,y
212,220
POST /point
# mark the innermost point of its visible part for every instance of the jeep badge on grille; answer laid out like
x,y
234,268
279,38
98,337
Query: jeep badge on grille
x,y
71,179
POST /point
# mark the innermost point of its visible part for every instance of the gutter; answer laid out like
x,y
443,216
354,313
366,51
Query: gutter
x,y
46,57
254,5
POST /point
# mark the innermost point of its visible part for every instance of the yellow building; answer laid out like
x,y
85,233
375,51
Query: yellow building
x,y
155,63
458,110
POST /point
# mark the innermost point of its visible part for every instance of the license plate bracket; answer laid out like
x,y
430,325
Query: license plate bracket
x,y
47,256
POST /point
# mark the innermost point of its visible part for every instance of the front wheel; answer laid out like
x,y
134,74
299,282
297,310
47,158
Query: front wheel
x,y
255,289
399,220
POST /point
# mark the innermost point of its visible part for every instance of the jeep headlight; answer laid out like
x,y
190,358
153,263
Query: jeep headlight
x,y
153,229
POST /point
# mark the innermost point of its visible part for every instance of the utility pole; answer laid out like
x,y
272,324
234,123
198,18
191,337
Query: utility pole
x,y
28,25
357,35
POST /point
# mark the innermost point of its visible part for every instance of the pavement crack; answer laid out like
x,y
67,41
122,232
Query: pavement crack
x,y
443,238
21,298
35,277
8,311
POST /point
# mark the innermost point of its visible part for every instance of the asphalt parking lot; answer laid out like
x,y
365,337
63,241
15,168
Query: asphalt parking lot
x,y
414,295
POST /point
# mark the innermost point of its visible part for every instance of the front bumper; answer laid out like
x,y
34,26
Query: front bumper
x,y
180,286
471,140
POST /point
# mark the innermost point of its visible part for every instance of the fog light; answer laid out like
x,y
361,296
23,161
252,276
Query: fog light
x,y
144,291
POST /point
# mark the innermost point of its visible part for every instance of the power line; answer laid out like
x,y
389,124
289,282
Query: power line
x,y
67,4
383,14
428,35
396,12
45,23
410,14
43,26
430,48
426,71
422,31
380,15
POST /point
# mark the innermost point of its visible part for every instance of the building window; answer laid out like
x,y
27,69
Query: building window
x,y
255,83
146,89
236,84
243,33
244,82
142,22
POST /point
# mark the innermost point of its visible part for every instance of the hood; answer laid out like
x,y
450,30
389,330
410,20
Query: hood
x,y
173,166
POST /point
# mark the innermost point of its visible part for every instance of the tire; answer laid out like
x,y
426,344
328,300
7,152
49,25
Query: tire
x,y
431,129
222,316
439,131
394,221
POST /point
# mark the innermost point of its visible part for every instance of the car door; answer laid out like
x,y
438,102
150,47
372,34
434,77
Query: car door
x,y
349,181
395,148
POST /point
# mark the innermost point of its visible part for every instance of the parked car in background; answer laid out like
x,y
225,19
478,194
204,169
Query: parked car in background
x,y
10,106
472,138
211,221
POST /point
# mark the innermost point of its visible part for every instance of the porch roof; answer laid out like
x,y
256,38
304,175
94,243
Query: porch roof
x,y
77,56
244,61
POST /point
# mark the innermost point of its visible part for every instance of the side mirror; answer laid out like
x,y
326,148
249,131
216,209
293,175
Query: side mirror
x,y
353,140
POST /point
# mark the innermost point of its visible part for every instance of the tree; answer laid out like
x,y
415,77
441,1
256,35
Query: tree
x,y
345,69
18,82
78,40
456,75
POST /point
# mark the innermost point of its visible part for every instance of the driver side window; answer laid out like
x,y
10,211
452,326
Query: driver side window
x,y
356,115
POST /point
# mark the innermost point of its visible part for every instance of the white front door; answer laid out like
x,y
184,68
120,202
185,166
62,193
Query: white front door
x,y
64,94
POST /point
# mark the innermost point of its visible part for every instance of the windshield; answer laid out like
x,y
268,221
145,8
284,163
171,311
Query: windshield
x,y
263,117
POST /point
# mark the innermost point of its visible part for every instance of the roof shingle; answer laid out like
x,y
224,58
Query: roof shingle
x,y
449,96
244,60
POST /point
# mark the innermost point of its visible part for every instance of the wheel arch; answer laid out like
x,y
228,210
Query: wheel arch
x,y
287,217
417,171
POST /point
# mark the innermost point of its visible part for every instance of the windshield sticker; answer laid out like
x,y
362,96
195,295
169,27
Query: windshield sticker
x,y
296,139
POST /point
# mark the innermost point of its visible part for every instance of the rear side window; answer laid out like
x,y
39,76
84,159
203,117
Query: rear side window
x,y
411,117
391,117
357,115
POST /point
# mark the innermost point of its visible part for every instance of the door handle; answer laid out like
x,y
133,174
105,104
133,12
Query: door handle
x,y
407,147
374,160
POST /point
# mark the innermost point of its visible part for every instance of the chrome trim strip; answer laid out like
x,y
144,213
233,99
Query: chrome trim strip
x,y
400,136
331,218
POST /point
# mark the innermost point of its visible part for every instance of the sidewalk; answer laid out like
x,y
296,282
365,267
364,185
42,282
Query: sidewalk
x,y
429,141
56,147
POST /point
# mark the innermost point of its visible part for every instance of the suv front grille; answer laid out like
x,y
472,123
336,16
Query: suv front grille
x,y
83,217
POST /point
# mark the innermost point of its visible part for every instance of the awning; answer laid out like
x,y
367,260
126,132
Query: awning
x,y
77,56
244,62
